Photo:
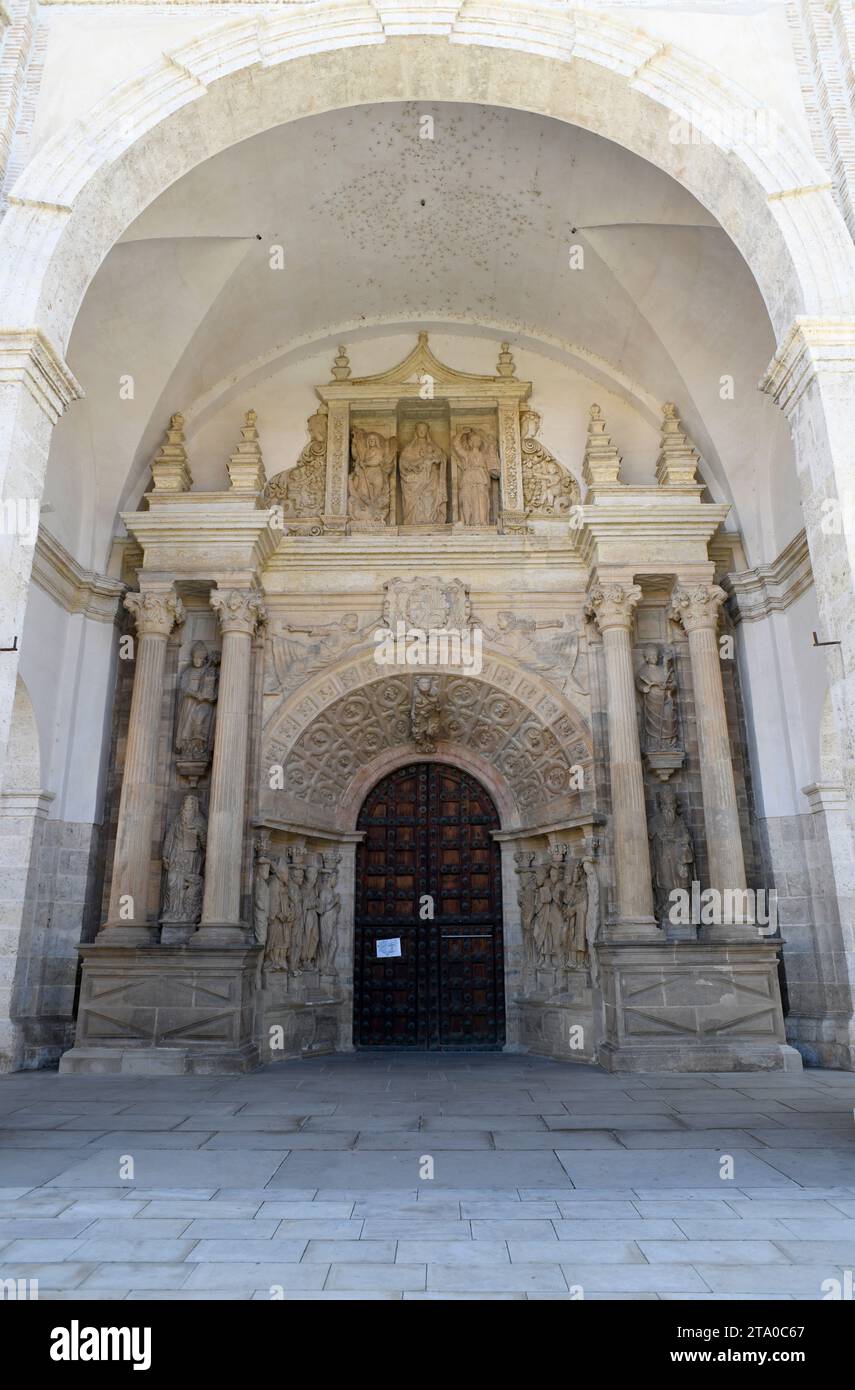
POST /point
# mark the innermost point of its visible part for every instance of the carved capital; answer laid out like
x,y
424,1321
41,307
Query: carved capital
x,y
697,607
612,605
239,610
155,613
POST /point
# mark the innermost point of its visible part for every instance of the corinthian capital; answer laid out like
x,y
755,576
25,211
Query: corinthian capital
x,y
697,607
155,612
612,605
239,610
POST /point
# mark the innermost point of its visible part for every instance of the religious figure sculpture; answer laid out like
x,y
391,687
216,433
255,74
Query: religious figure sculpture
x,y
421,465
290,660
547,487
261,890
575,914
477,462
425,713
197,697
673,855
282,922
310,935
527,899
555,656
657,685
329,907
559,902
300,490
183,856
369,489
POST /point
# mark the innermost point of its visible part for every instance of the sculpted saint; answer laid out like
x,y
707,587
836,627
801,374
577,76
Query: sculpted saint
x,y
198,695
477,463
183,853
425,713
373,460
281,924
421,465
329,906
673,855
657,685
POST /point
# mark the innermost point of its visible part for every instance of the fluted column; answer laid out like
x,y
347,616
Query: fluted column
x,y
156,612
239,612
612,606
697,608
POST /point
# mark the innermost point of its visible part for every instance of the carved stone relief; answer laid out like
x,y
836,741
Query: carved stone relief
x,y
426,603
194,724
673,856
371,471
422,470
300,490
297,920
548,489
477,458
294,653
558,897
554,657
656,683
425,713
183,860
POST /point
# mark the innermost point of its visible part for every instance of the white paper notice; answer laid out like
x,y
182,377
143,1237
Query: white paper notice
x,y
390,947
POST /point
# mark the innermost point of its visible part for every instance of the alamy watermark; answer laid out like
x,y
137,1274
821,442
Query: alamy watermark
x,y
460,648
697,907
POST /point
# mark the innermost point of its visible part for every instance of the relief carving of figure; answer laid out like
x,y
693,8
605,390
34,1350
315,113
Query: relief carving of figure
x,y
300,490
261,889
559,902
282,921
289,660
197,697
369,489
311,935
329,907
547,487
421,465
425,713
527,899
673,856
657,685
477,462
183,857
555,656
575,943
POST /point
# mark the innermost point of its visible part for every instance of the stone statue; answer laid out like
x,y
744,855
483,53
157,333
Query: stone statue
x,y
477,462
261,890
547,487
183,856
329,907
296,890
289,660
310,935
547,928
197,697
575,914
369,489
425,713
673,855
300,490
657,685
559,899
421,465
281,923
527,898
592,916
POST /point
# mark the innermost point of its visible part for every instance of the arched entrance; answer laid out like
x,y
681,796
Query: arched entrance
x,y
428,884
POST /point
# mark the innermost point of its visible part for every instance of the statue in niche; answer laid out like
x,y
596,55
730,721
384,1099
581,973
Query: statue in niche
x,y
372,465
289,660
197,698
673,856
300,490
425,713
183,857
421,465
329,907
477,462
310,935
261,890
559,898
657,685
547,487
297,889
547,928
574,949
281,922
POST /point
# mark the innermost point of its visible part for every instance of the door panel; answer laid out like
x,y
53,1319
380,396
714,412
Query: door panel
x,y
428,833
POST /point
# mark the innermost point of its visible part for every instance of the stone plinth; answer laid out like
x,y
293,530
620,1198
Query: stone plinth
x,y
559,1024
693,1006
293,1027
146,1010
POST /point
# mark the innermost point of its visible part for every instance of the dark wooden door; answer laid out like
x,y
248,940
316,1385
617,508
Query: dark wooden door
x,y
427,841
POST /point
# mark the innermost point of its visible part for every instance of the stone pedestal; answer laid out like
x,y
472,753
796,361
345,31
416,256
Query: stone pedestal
x,y
560,1024
693,1006
150,1010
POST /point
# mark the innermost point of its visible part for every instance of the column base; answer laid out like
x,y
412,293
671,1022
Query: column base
x,y
220,934
692,1006
154,1010
126,934
625,929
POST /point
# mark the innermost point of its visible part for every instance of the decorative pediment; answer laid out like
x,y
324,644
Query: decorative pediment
x,y
420,363
421,375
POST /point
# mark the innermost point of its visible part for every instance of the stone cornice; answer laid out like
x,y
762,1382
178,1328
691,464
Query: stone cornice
x,y
662,528
771,588
28,357
198,535
75,589
810,346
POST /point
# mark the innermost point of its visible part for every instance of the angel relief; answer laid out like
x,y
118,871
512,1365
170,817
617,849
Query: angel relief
x,y
372,466
477,462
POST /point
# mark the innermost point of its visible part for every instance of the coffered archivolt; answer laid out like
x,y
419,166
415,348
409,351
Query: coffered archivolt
x,y
328,734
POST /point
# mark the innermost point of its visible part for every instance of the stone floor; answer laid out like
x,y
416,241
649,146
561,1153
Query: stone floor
x,y
306,1180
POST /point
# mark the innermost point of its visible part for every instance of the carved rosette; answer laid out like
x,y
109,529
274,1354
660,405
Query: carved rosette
x,y
238,610
155,614
612,605
698,607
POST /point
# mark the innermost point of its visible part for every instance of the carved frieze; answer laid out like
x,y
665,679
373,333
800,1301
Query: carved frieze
x,y
558,897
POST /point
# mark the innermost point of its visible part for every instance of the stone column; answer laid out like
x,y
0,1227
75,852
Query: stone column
x,y
239,612
698,610
510,456
156,612
612,606
338,466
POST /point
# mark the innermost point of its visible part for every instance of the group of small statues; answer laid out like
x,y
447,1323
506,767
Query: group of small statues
x,y
558,898
422,470
296,908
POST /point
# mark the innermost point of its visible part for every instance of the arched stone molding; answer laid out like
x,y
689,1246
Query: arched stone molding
x,y
512,730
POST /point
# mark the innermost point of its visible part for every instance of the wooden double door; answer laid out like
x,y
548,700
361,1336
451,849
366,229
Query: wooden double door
x,y
428,884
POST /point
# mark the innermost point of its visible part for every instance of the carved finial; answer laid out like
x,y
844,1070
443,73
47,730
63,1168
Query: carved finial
x,y
601,463
506,365
341,366
678,460
170,469
246,466
423,338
